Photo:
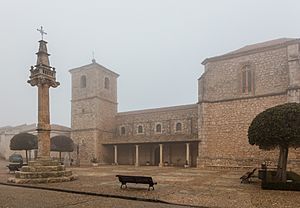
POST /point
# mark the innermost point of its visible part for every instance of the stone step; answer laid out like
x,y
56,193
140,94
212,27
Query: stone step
x,y
43,168
51,174
43,163
43,180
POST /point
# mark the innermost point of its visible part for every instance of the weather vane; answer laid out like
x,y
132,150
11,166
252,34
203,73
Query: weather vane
x,y
42,32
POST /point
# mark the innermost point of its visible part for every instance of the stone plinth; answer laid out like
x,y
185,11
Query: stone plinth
x,y
43,171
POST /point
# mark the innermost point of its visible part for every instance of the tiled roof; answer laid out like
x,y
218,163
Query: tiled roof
x,y
262,45
248,49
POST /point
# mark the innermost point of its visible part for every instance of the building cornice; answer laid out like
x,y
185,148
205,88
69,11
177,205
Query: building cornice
x,y
93,97
150,142
244,98
92,129
155,110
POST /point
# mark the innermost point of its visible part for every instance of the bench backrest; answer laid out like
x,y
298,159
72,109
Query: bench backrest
x,y
249,174
135,179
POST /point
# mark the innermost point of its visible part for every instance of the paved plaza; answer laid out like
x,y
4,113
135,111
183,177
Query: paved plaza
x,y
189,186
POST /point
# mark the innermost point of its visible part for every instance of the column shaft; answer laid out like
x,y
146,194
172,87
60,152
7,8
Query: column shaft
x,y
43,126
161,155
116,154
137,155
188,154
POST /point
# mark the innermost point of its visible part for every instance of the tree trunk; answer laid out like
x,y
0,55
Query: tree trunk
x,y
279,165
282,164
26,156
59,156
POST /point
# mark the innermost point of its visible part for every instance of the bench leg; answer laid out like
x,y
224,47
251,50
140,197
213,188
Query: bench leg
x,y
123,185
150,187
247,180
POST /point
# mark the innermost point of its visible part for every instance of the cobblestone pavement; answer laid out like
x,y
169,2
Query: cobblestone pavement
x,y
191,186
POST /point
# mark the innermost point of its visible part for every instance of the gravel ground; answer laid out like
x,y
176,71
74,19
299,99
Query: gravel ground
x,y
17,197
191,186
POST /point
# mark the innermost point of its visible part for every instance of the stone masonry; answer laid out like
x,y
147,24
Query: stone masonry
x,y
233,89
43,169
94,108
225,111
96,124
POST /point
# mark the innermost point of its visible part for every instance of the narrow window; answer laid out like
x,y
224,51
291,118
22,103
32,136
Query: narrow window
x,y
106,83
178,126
247,80
140,129
158,128
123,130
83,81
244,78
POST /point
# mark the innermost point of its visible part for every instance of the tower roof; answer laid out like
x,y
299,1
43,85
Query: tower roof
x,y
94,65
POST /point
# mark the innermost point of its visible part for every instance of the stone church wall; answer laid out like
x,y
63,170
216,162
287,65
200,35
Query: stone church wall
x,y
225,112
167,117
222,79
224,140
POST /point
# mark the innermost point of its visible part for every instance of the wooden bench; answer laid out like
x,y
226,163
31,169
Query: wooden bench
x,y
247,176
124,179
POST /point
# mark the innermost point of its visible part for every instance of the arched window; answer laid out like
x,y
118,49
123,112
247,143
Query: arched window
x,y
178,126
106,83
83,81
247,79
158,128
140,129
123,131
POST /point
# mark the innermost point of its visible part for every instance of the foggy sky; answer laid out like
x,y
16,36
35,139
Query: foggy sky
x,y
156,46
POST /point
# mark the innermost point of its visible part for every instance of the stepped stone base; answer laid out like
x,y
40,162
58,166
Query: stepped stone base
x,y
43,171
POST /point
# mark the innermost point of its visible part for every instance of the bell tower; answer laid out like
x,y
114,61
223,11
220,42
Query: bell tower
x,y
93,109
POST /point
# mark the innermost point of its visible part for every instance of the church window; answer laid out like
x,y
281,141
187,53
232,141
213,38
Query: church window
x,y
140,129
178,126
247,80
83,81
106,83
158,128
123,130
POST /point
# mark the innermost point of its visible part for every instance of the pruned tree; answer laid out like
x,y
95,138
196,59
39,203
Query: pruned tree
x,y
277,127
61,144
24,141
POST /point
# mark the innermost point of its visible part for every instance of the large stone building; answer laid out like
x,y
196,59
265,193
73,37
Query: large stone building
x,y
233,89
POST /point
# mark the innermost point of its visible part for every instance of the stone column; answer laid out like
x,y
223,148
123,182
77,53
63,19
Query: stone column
x,y
136,155
43,126
161,164
116,154
188,163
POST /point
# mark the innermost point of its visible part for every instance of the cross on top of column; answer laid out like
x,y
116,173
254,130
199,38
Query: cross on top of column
x,y
42,32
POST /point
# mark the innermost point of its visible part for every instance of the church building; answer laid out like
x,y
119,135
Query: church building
x,y
233,89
